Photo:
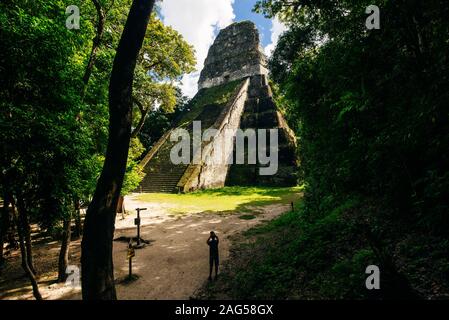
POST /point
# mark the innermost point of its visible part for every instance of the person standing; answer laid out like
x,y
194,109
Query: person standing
x,y
212,242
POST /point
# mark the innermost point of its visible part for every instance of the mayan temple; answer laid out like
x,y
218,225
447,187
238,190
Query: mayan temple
x,y
233,94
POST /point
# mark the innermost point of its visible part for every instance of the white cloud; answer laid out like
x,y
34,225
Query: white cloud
x,y
189,83
197,21
276,30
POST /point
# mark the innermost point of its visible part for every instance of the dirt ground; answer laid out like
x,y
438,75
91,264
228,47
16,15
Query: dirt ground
x,y
173,266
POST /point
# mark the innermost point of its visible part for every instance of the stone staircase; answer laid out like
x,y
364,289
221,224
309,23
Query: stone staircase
x,y
261,113
164,178
161,175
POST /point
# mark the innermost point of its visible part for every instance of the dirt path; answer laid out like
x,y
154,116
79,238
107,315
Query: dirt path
x,y
173,266
176,263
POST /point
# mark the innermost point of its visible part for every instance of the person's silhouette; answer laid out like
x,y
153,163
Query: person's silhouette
x,y
213,253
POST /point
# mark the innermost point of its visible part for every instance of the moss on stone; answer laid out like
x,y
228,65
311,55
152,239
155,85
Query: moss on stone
x,y
218,96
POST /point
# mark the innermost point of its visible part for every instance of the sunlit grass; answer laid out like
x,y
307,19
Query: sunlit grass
x,y
228,199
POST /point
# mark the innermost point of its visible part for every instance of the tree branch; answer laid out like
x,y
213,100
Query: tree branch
x,y
143,115
101,15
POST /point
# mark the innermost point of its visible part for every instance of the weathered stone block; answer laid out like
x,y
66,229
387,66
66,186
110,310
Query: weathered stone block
x,y
266,104
267,119
235,54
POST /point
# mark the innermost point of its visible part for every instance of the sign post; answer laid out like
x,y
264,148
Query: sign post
x,y
137,223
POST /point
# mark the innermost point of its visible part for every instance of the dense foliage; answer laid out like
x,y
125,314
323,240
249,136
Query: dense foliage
x,y
370,110
53,136
54,100
46,149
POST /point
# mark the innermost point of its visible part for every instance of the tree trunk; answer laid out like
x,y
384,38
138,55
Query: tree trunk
x,y
121,206
65,248
2,243
95,44
4,224
78,224
96,259
24,225
25,261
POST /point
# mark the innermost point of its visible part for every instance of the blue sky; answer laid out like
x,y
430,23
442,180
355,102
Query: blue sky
x,y
199,21
243,11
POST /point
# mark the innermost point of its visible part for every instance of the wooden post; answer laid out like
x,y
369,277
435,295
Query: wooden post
x,y
138,227
130,267
137,223
130,255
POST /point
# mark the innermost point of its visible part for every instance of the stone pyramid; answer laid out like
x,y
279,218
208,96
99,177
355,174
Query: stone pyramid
x,y
235,100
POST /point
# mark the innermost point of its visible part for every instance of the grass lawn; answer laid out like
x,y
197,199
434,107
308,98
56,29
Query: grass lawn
x,y
227,199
